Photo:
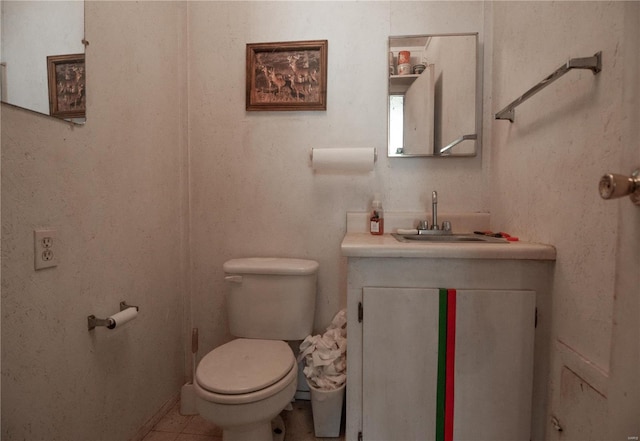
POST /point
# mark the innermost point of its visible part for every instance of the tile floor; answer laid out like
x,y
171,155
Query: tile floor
x,y
176,427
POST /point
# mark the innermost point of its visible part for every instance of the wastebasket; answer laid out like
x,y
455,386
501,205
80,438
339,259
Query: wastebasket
x,y
326,406
325,358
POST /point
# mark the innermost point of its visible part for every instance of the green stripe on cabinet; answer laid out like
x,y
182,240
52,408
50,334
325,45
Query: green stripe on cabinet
x,y
442,365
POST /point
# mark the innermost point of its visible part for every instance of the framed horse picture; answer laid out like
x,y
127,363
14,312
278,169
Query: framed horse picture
x,y
287,75
67,94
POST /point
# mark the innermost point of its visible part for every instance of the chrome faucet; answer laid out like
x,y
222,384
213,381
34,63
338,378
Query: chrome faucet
x,y
423,226
434,210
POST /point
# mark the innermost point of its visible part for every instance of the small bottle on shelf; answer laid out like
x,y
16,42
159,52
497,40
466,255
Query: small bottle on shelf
x,y
376,221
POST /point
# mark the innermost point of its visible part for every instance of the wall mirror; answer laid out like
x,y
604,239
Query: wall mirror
x,y
435,95
42,64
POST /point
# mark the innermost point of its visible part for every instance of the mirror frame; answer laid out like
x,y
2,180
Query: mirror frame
x,y
464,137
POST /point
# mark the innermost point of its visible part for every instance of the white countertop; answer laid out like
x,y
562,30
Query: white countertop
x,y
356,244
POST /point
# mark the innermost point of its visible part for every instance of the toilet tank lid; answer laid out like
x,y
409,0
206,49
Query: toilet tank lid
x,y
270,265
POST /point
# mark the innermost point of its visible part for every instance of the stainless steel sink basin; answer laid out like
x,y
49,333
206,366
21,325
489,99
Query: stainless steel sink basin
x,y
447,238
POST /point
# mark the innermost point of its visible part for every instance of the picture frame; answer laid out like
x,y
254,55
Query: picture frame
x,y
287,76
67,86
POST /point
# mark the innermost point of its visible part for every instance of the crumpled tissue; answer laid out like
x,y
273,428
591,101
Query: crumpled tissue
x,y
325,355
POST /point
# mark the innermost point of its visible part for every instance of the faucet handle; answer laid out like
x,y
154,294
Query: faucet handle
x,y
446,225
423,225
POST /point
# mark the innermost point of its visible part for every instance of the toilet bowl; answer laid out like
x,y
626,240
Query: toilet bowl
x,y
244,384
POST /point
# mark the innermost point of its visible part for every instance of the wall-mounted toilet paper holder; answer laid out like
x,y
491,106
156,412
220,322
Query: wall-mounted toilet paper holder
x,y
375,154
109,322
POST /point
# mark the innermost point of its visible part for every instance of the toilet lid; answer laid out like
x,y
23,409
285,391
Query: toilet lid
x,y
244,365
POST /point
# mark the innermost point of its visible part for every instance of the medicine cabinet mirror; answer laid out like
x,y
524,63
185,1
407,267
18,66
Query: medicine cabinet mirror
x,y
435,95
40,39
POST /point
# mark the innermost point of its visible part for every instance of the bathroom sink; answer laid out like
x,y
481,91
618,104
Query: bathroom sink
x,y
447,238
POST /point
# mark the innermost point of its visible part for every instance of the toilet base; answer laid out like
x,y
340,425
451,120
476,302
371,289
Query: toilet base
x,y
277,428
272,431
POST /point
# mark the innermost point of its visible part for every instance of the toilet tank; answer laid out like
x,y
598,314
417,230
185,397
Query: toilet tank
x,y
271,298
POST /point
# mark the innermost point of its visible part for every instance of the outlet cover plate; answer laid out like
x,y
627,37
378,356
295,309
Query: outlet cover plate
x,y
45,248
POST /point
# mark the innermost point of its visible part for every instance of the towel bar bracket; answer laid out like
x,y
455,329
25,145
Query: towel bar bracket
x,y
593,63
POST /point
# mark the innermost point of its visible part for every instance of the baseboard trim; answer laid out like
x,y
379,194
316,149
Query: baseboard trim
x,y
587,370
151,422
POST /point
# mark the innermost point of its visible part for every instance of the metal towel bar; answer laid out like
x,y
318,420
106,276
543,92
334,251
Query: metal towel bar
x,y
594,63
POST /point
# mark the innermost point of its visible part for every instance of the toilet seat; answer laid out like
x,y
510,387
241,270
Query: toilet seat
x,y
245,370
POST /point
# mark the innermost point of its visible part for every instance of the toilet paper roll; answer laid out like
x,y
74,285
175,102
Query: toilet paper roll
x,y
122,317
343,159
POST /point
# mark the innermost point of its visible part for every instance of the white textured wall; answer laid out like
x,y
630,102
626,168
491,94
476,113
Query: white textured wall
x,y
114,189
253,191
545,169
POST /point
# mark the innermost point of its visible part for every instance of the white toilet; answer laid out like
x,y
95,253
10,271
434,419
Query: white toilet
x,y
244,384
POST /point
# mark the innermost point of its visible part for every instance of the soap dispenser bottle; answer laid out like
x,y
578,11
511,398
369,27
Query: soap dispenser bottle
x,y
376,221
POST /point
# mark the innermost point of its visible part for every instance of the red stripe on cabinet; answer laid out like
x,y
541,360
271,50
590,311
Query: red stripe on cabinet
x,y
451,357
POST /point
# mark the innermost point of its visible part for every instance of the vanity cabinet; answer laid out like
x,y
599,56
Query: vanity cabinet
x,y
500,356
488,397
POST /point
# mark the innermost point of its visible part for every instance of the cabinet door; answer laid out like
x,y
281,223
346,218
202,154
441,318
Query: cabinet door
x,y
492,364
399,366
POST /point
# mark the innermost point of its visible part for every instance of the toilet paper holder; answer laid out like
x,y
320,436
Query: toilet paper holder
x,y
343,160
375,155
92,321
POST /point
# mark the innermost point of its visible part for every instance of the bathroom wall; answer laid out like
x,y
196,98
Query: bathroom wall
x,y
545,169
252,189
115,191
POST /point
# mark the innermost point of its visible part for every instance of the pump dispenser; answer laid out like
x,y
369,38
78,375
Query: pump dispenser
x,y
376,221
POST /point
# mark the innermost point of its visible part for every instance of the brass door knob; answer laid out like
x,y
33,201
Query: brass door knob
x,y
614,186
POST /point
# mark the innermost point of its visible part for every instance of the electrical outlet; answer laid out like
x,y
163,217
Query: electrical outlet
x,y
45,248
